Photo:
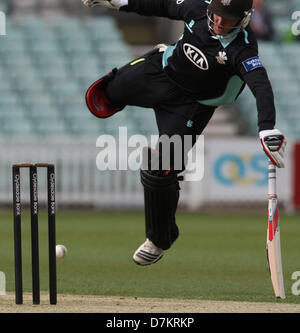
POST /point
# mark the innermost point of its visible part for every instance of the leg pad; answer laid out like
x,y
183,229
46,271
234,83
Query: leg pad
x,y
96,100
161,194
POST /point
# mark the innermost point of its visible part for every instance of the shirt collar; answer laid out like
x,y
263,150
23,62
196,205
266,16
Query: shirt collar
x,y
225,40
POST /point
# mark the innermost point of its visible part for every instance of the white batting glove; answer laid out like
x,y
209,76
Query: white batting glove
x,y
112,4
273,143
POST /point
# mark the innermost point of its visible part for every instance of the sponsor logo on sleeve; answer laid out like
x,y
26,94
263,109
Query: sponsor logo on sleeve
x,y
252,63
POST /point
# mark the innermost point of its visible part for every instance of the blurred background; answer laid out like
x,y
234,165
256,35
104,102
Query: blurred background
x,y
53,50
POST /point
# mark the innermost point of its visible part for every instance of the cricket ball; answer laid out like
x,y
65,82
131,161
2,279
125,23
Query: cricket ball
x,y
61,251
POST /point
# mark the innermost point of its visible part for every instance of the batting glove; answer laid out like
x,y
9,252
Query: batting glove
x,y
112,4
273,143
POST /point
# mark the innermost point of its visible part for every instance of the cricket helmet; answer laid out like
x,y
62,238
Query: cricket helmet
x,y
235,10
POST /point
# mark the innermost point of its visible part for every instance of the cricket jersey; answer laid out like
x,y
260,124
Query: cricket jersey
x,y
213,69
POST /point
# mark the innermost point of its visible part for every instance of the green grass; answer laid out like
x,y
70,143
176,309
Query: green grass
x,y
217,256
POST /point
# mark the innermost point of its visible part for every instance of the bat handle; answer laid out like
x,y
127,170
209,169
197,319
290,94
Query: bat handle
x,y
272,180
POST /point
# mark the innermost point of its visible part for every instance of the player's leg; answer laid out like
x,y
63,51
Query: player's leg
x,y
141,82
161,186
128,85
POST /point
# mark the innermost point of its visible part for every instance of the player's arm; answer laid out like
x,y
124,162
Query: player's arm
x,y
177,10
256,77
258,82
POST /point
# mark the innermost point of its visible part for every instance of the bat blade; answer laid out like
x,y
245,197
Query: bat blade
x,y
274,249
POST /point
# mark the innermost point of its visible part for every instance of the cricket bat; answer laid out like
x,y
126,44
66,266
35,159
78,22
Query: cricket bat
x,y
273,235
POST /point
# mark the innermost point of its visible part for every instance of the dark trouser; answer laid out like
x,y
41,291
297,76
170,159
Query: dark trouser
x,y
146,85
143,83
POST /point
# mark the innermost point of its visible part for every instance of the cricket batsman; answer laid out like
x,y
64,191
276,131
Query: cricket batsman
x,y
209,66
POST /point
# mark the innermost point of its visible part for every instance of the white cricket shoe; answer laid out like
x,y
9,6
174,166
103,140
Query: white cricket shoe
x,y
147,254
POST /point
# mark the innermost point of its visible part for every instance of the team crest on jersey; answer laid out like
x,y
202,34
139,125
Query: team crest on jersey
x,y
226,2
222,58
196,56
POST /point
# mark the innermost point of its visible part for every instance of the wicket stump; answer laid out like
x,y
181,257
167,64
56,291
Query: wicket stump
x,y
34,203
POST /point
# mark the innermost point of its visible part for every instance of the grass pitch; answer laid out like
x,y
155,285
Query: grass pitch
x,y
217,256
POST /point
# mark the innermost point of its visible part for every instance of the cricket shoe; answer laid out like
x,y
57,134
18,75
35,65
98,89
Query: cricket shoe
x,y
147,254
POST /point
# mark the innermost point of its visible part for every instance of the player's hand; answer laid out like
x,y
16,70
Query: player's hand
x,y
91,3
273,143
112,4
